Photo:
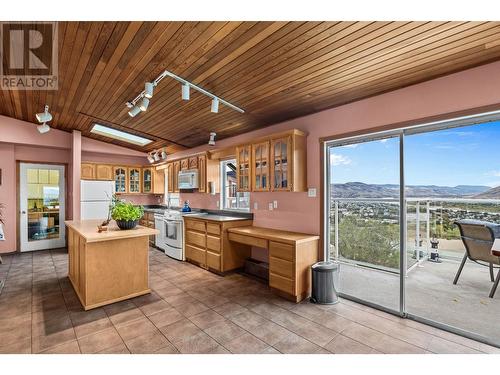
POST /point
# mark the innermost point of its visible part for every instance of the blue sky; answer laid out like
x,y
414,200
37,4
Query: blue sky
x,y
461,156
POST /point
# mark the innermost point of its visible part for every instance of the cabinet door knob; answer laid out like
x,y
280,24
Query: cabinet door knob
x,y
23,212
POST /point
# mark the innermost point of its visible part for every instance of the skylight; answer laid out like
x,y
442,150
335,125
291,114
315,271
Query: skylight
x,y
119,135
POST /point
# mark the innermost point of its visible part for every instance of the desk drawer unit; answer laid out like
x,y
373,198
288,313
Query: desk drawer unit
x,y
281,283
248,240
281,250
282,267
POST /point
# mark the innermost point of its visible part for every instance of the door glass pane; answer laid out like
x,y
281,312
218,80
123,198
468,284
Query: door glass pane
x,y
43,204
364,219
451,175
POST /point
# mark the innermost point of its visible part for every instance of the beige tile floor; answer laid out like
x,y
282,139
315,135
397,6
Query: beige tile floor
x,y
194,311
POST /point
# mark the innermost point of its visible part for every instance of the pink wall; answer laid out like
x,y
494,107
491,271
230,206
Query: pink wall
x,y
469,89
76,172
20,141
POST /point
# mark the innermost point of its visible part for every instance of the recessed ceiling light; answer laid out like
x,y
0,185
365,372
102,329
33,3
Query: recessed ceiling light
x,y
119,135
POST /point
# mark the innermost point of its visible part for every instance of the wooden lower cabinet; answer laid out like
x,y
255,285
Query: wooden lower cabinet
x,y
207,244
148,220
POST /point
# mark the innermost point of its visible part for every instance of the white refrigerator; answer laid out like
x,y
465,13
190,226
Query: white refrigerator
x,y
95,199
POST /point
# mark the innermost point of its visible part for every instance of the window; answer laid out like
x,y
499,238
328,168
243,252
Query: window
x,y
232,199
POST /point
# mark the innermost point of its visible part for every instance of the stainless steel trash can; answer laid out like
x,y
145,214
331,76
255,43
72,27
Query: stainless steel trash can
x,y
325,278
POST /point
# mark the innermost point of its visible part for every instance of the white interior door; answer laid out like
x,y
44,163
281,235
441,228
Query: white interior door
x,y
42,204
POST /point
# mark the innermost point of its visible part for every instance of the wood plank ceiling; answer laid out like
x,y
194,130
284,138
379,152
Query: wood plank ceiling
x,y
274,70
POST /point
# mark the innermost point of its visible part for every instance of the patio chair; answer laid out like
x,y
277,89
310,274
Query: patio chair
x,y
478,237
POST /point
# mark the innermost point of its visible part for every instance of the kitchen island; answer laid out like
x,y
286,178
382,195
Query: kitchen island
x,y
110,266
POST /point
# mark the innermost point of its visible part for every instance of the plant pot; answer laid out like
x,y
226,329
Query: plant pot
x,y
127,224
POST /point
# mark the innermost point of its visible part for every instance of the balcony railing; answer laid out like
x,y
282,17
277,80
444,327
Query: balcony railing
x,y
426,218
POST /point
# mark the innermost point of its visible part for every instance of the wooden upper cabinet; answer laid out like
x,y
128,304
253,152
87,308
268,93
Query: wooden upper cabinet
x,y
147,180
134,180
120,177
104,172
184,164
170,176
201,164
243,167
176,168
158,181
289,163
87,171
260,166
193,162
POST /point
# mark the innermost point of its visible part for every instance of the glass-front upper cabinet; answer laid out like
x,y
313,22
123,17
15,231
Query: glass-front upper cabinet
x,y
147,180
134,180
281,156
260,172
243,167
120,176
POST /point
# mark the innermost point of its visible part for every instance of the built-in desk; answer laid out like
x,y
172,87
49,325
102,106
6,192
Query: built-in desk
x,y
290,257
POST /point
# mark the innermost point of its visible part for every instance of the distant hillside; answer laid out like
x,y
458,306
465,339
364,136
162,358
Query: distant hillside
x,y
493,193
359,189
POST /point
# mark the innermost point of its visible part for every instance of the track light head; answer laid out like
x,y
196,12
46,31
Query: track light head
x,y
45,116
134,111
211,141
215,106
185,91
163,155
144,104
150,158
156,157
148,90
44,128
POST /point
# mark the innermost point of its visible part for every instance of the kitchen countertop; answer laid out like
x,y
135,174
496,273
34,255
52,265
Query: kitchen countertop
x,y
214,217
88,230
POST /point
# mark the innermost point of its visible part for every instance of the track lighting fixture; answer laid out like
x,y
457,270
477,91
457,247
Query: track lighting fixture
x,y
44,128
211,141
148,90
45,116
134,111
157,155
144,104
185,91
215,106
144,96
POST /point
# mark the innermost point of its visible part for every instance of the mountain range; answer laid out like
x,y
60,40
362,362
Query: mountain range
x,y
359,189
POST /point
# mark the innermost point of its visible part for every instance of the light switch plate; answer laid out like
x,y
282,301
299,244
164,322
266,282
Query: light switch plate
x,y
255,206
218,204
270,206
275,204
311,192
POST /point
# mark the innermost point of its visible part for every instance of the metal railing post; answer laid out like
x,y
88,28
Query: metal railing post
x,y
336,230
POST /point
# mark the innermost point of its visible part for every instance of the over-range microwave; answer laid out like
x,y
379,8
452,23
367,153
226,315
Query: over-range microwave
x,y
188,179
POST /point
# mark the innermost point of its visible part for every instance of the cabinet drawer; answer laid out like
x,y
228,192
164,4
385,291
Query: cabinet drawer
x,y
213,228
281,250
195,225
196,254
282,283
213,261
247,240
195,238
213,243
282,267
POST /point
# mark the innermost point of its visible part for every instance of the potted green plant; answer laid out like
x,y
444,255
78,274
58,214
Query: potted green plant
x,y
126,214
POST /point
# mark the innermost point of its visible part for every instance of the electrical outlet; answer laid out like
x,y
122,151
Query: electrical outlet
x,y
255,206
218,204
270,206
311,192
275,204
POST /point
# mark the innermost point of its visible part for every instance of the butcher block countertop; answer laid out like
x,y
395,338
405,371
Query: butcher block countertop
x,y
274,234
88,230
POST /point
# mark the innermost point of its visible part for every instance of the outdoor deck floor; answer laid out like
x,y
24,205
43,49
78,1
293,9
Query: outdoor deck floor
x,y
430,294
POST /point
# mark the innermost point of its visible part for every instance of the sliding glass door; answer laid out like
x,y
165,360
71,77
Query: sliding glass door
x,y
395,204
364,219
